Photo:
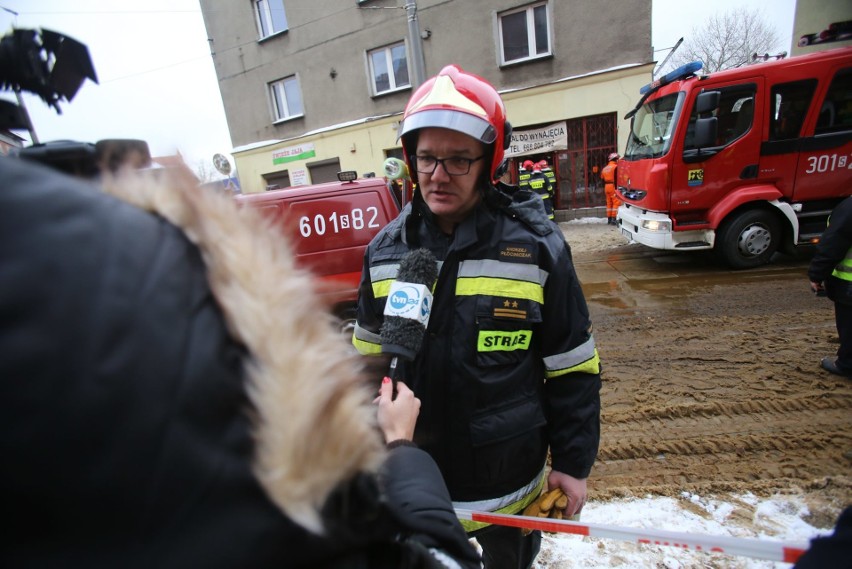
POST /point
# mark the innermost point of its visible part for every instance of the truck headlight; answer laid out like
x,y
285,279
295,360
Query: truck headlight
x,y
656,225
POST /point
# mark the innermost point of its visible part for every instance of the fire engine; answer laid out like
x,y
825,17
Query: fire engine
x,y
330,225
744,162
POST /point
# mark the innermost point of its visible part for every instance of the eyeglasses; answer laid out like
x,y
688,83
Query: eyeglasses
x,y
453,166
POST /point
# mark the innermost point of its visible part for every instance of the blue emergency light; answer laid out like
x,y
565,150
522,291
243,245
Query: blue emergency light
x,y
679,73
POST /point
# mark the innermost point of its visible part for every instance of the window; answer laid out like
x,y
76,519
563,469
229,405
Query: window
x,y
270,15
790,102
525,33
835,113
286,98
389,68
734,115
652,127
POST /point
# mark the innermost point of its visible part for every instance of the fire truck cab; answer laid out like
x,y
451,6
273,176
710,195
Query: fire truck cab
x,y
743,162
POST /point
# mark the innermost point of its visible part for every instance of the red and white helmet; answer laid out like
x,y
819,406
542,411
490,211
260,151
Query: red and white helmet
x,y
613,156
528,165
460,101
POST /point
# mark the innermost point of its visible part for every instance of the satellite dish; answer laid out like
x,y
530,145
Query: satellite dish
x,y
221,163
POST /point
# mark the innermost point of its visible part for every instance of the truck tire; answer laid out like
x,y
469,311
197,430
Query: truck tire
x,y
747,239
346,321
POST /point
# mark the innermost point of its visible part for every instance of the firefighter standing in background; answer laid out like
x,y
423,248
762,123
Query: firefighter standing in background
x,y
524,174
830,273
508,367
540,185
608,175
551,178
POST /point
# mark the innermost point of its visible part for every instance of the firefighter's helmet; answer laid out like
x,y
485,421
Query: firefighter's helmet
x,y
542,164
528,165
460,101
613,156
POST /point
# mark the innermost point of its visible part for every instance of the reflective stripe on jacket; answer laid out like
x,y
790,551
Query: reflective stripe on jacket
x,y
843,270
832,260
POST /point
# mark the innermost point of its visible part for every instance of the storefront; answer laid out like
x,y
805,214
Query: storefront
x,y
575,149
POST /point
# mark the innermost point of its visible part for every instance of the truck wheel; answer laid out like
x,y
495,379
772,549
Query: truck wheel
x,y
346,322
748,239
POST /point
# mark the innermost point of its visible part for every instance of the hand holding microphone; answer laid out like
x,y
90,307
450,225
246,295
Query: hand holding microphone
x,y
397,414
408,307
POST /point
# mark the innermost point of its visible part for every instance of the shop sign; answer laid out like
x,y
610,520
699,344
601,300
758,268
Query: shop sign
x,y
538,140
293,153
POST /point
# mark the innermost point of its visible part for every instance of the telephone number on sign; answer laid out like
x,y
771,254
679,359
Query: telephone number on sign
x,y
335,222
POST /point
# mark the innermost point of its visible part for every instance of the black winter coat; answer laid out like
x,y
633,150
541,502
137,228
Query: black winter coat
x,y
833,247
126,426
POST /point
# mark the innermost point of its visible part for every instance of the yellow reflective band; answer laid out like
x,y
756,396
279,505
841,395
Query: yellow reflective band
x,y
513,508
366,348
367,343
591,365
500,287
503,341
382,288
843,270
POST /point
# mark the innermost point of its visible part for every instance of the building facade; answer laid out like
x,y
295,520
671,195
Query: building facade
x,y
311,87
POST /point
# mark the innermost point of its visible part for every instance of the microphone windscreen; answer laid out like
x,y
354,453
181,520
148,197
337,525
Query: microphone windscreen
x,y
407,308
419,267
402,337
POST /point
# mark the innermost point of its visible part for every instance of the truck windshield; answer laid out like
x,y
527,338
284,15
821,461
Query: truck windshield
x,y
652,127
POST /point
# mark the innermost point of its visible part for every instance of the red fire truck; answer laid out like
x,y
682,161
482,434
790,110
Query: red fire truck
x,y
330,226
744,162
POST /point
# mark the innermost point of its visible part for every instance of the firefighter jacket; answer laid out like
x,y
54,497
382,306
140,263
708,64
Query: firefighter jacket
x,y
508,365
540,185
524,178
551,178
173,398
832,261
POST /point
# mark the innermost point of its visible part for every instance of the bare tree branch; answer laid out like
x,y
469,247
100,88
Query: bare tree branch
x,y
727,40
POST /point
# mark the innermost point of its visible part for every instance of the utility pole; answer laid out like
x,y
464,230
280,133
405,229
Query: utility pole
x,y
418,64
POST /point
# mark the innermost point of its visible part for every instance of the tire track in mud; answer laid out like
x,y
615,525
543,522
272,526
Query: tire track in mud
x,y
718,390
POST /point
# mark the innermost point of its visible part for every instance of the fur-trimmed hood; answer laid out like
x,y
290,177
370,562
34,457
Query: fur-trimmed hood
x,y
315,426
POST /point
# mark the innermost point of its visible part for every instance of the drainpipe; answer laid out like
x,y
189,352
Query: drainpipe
x,y
418,65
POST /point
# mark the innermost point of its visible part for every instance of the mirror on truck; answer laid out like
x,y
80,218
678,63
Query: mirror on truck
x,y
706,131
703,130
707,102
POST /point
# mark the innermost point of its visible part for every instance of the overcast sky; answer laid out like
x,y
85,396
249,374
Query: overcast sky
x,y
156,74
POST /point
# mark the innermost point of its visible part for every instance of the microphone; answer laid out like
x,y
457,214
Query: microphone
x,y
408,307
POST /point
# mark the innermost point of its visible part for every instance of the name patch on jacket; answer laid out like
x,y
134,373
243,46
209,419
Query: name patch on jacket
x,y
503,340
516,253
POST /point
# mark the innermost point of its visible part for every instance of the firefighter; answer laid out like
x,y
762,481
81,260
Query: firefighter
x,y
608,175
830,274
524,174
551,178
540,185
508,366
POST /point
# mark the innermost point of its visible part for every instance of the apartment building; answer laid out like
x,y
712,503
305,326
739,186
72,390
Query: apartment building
x,y
311,87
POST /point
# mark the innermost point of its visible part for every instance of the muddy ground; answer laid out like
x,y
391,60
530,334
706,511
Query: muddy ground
x,y
712,386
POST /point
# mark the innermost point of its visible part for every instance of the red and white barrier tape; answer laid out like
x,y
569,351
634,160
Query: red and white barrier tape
x,y
755,548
